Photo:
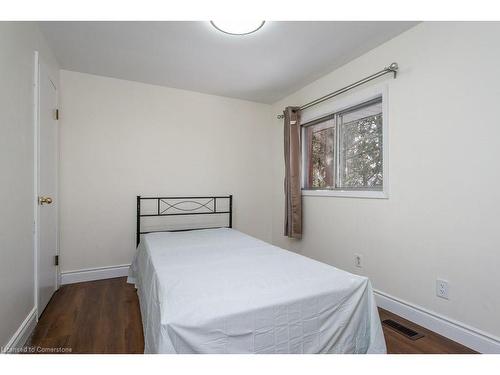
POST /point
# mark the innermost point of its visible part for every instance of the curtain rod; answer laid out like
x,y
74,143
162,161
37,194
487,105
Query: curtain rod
x,y
393,68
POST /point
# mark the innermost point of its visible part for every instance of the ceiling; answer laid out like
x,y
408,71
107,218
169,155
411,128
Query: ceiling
x,y
192,55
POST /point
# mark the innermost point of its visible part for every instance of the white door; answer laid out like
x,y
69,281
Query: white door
x,y
47,188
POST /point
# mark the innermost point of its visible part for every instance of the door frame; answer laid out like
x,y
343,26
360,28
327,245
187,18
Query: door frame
x,y
36,164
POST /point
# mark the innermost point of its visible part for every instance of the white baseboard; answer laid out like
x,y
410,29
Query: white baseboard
x,y
99,273
452,329
22,334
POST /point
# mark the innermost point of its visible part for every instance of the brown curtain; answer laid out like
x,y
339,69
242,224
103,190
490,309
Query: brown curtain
x,y
293,196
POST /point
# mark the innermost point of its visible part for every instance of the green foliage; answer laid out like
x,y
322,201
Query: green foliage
x,y
360,154
322,158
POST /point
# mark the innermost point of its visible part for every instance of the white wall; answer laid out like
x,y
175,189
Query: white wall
x,y
441,220
120,139
18,41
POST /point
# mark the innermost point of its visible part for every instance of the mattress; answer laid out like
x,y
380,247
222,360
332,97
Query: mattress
x,y
221,291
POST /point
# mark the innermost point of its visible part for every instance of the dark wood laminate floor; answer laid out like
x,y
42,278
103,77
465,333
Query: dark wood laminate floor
x,y
104,317
431,343
93,317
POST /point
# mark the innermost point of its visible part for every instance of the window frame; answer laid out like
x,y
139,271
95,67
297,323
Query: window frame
x,y
328,110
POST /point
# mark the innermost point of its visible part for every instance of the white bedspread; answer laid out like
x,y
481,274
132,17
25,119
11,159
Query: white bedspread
x,y
221,291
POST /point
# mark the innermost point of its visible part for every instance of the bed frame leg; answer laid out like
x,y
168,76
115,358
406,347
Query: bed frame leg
x,y
138,228
231,211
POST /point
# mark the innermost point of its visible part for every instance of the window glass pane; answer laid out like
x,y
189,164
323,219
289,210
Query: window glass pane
x,y
361,148
320,140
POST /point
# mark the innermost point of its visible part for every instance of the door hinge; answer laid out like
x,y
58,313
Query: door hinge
x,y
56,114
56,260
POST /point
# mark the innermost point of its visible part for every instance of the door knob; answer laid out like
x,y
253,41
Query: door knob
x,y
44,200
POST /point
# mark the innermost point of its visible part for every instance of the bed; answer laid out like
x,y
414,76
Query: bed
x,y
217,290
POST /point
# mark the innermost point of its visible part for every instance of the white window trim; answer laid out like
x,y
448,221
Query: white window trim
x,y
337,106
380,194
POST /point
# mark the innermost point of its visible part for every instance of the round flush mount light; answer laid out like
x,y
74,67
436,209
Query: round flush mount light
x,y
238,27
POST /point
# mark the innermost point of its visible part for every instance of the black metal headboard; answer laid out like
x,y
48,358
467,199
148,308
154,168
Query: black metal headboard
x,y
182,206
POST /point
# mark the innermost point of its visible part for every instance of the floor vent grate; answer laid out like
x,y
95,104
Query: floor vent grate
x,y
405,331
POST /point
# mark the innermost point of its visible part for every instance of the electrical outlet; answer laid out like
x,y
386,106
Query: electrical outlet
x,y
358,260
442,289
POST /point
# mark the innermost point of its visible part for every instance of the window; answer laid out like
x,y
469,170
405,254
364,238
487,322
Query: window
x,y
343,151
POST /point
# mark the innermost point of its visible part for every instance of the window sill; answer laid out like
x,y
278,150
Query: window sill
x,y
347,193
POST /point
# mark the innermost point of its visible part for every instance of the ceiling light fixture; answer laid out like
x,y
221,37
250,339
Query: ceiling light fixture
x,y
238,27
